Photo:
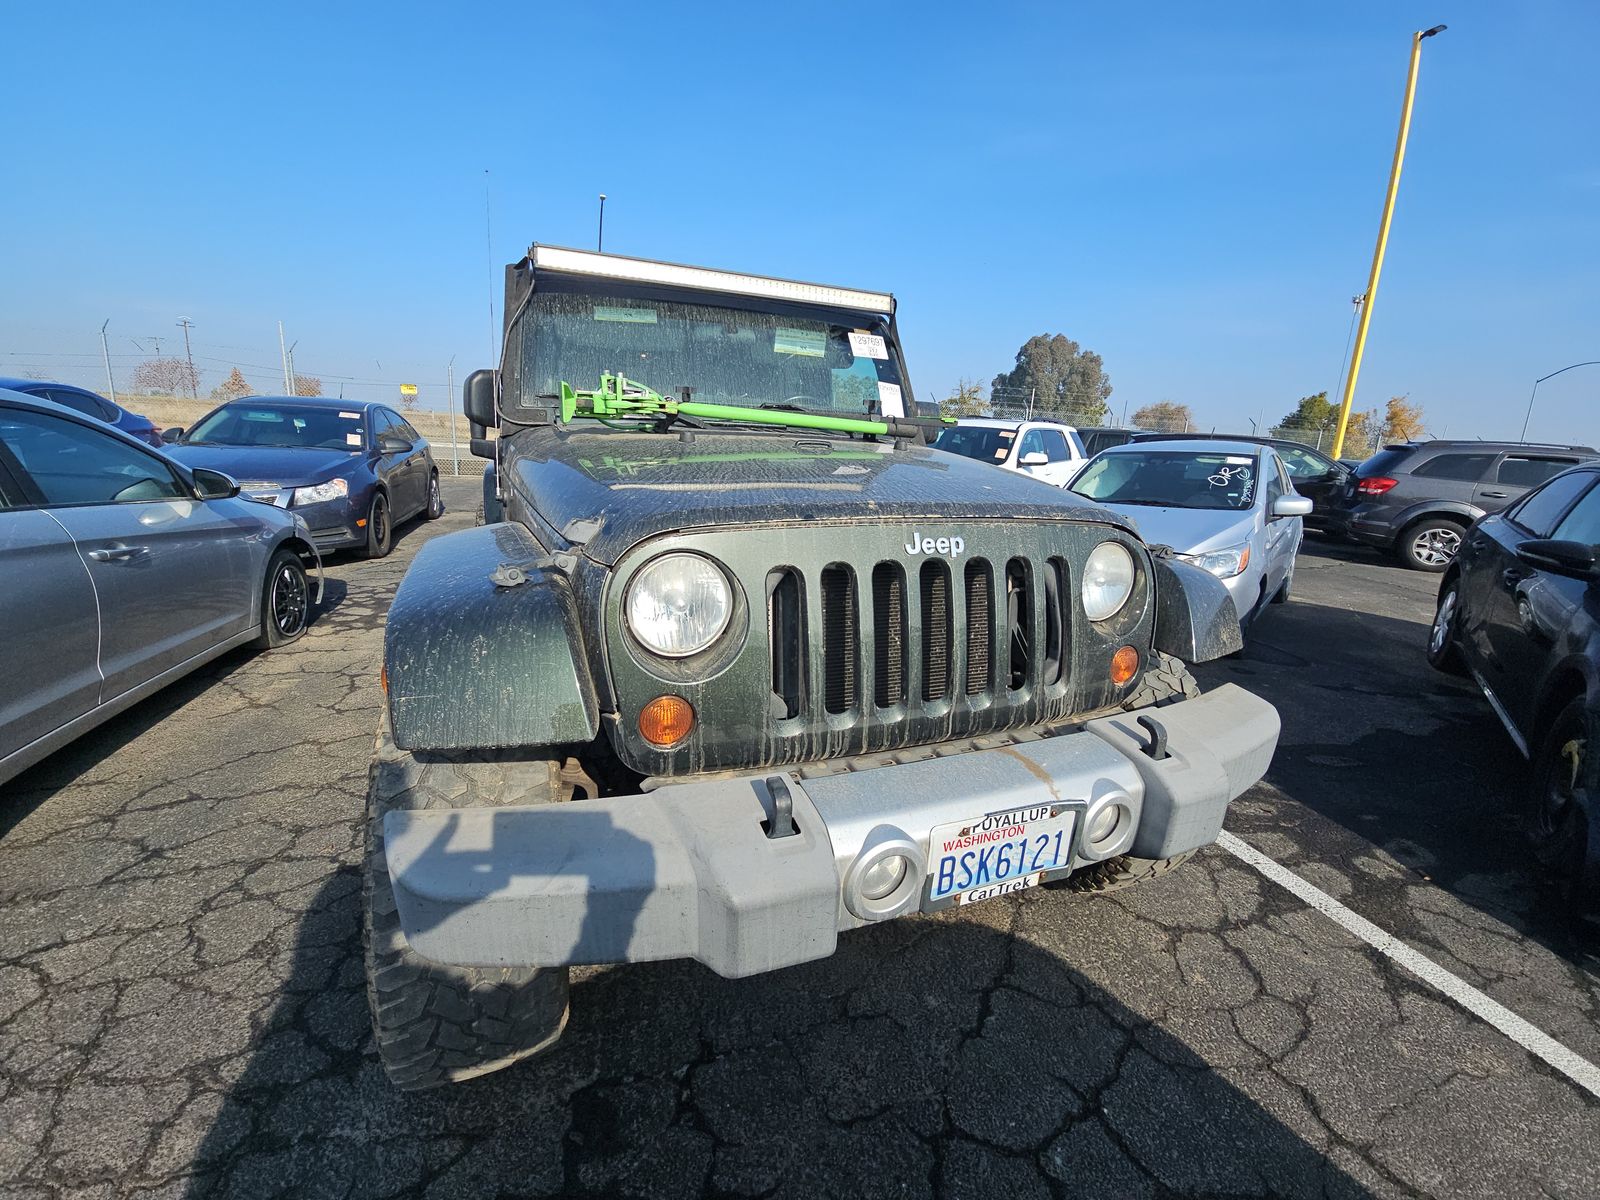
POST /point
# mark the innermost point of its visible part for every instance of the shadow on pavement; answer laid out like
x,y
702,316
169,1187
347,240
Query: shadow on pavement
x,y
1406,758
926,1057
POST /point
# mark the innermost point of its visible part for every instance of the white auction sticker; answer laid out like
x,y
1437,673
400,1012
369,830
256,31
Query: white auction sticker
x,y
867,345
808,343
351,416
352,439
890,403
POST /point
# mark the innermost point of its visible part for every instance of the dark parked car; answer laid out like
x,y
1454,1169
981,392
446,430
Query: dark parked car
x,y
1519,609
1102,437
1418,498
352,470
121,571
90,404
1314,474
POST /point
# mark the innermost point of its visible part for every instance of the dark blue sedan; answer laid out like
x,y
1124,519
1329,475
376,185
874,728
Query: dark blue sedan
x,y
352,471
90,404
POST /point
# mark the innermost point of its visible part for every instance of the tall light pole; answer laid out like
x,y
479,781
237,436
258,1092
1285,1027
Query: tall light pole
x,y
1383,236
194,382
105,353
1535,392
450,403
600,237
283,353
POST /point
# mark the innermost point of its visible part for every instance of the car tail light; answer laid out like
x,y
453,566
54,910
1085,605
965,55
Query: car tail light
x,y
1376,486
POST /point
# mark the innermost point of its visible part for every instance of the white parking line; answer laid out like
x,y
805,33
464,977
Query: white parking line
x,y
1532,1039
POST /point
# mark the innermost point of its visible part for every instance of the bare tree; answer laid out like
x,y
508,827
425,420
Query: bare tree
x,y
166,377
232,388
307,385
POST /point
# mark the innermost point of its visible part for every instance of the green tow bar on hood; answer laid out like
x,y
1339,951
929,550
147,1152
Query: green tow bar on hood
x,y
618,397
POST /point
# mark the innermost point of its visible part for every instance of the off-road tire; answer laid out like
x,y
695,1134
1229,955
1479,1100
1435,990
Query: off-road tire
x,y
435,1023
1166,680
477,516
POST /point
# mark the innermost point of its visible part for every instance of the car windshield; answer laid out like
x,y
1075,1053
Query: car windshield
x,y
294,426
984,442
726,355
1171,479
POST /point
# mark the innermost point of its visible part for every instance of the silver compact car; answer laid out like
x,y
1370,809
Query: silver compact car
x,y
1226,506
121,571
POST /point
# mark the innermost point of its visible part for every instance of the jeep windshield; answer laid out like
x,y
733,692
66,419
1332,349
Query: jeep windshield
x,y
1170,479
822,363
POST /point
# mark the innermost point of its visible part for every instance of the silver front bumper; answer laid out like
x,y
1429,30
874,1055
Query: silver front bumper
x,y
688,871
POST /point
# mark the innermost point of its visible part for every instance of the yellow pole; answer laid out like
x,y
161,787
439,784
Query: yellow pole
x,y
1383,238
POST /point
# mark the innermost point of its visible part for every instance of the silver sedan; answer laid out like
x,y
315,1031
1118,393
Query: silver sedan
x,y
1226,506
121,571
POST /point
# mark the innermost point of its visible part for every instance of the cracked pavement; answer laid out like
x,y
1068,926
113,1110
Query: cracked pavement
x,y
182,1008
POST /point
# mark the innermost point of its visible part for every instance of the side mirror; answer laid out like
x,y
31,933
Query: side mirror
x,y
1291,506
1037,459
393,443
1574,559
171,435
477,399
213,485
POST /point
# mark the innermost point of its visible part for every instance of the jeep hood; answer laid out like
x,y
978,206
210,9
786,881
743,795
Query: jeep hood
x,y
609,489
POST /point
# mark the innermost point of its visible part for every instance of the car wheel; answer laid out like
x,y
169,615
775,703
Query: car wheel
x,y
285,601
1444,650
1430,545
1282,595
435,1023
435,508
380,535
1558,803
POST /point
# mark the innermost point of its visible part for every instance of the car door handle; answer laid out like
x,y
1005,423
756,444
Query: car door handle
x,y
1494,495
118,553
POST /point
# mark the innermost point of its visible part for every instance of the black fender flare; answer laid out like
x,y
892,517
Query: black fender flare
x,y
1195,616
474,662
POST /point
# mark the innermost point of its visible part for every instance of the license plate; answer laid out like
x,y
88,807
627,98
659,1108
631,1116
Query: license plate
x,y
999,852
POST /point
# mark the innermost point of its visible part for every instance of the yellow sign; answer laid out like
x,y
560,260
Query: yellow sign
x,y
408,389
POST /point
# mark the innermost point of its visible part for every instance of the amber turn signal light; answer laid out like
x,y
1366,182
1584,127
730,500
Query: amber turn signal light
x,y
1124,665
666,721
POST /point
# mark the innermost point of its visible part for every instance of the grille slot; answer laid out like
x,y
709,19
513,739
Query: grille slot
x,y
980,627
1019,623
785,637
840,638
888,635
1055,621
935,631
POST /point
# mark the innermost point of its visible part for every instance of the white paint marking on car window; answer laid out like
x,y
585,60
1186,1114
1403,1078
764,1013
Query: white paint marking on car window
x,y
1527,1035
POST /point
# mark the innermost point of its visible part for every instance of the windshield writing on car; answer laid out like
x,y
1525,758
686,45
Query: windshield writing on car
x,y
1171,479
726,356
265,425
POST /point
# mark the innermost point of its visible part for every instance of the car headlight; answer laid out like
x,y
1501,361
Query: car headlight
x,y
678,605
1224,564
334,489
1107,580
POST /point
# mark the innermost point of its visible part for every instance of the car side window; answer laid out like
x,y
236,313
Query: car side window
x,y
1302,464
1077,443
1055,445
381,424
1582,524
1032,443
1277,486
89,406
404,429
1538,513
73,465
1469,468
1526,470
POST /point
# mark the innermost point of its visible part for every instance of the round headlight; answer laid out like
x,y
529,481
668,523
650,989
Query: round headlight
x,y
678,605
1107,580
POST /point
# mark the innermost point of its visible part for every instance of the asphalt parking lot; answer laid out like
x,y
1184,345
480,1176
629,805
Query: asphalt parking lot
x,y
182,1007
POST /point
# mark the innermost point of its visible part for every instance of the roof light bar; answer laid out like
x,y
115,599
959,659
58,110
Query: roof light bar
x,y
644,270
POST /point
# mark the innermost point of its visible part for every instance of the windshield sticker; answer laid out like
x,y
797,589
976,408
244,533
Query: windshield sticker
x,y
811,343
867,345
352,439
631,316
1243,460
890,402
351,416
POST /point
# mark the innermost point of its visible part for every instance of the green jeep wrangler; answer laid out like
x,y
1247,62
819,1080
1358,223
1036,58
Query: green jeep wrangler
x,y
738,663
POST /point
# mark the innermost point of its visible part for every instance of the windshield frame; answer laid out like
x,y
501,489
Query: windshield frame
x,y
1258,486
285,407
520,403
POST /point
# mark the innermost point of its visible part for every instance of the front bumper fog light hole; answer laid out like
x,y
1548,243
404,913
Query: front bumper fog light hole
x,y
884,877
1103,824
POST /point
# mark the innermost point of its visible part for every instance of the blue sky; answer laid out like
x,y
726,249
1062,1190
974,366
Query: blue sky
x,y
1191,190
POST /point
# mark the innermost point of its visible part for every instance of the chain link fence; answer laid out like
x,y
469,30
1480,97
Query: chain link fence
x,y
1359,442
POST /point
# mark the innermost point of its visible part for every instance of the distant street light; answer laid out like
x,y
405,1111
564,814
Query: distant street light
x,y
1535,392
600,237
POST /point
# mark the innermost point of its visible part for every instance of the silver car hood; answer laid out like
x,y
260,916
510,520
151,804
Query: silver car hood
x,y
1189,530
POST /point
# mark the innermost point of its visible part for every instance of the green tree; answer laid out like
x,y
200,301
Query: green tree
x,y
1312,412
966,401
1059,376
1402,421
1165,416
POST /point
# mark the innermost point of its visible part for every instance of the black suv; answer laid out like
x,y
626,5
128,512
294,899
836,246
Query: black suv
x,y
1316,476
1418,498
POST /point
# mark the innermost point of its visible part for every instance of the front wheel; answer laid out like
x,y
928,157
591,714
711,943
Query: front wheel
x,y
1430,545
435,508
1558,801
1444,650
380,534
285,601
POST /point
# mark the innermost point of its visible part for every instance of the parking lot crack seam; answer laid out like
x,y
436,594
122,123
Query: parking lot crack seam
x,y
1535,1041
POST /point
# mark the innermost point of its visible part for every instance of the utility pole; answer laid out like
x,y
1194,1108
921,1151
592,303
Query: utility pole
x,y
600,238
194,381
450,404
1383,236
283,353
488,249
105,353
294,380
